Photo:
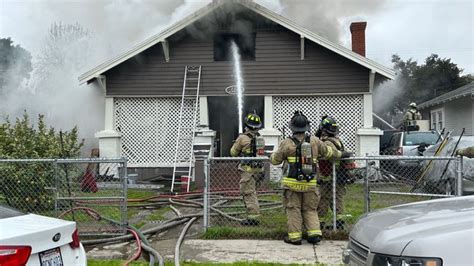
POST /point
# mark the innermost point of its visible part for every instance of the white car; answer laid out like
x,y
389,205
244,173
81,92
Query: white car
x,y
30,239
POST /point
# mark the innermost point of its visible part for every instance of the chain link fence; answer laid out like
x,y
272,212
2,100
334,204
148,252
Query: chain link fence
x,y
355,186
365,184
242,205
92,192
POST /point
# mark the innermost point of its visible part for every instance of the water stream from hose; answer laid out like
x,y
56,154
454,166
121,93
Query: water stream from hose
x,y
238,82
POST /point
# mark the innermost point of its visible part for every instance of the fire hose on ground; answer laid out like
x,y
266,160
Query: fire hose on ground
x,y
139,248
139,236
180,240
161,200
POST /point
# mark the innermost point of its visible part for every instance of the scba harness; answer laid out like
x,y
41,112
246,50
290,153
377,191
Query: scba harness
x,y
256,149
302,167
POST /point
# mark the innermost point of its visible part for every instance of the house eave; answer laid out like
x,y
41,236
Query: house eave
x,y
450,99
281,20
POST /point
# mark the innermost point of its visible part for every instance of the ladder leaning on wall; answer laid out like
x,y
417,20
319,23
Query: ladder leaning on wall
x,y
186,126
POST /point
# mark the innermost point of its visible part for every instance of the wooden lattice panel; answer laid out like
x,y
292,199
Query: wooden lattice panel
x,y
149,127
346,109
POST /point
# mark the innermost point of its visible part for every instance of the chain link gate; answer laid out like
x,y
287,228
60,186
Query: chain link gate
x,y
92,192
225,211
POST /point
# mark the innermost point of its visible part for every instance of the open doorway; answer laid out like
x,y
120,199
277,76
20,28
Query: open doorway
x,y
223,118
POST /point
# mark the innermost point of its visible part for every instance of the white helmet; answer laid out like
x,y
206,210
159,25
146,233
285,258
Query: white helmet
x,y
413,105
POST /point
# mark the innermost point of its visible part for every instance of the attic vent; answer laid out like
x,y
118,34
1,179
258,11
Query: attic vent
x,y
222,44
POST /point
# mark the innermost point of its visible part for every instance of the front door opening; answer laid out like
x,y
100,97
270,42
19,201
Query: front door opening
x,y
223,118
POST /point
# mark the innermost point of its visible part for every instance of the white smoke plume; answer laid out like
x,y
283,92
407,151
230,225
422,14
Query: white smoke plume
x,y
328,18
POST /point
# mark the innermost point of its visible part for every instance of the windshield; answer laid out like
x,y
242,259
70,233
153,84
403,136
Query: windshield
x,y
418,138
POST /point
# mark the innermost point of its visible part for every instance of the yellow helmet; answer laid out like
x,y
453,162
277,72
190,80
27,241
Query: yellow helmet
x,y
253,121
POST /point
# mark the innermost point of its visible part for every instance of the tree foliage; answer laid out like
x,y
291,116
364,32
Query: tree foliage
x,y
15,64
24,185
421,83
22,140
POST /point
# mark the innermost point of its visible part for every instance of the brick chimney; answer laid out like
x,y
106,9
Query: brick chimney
x,y
358,37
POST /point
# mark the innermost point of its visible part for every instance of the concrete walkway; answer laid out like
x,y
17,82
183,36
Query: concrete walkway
x,y
327,252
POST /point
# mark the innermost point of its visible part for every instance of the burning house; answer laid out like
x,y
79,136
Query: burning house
x,y
285,68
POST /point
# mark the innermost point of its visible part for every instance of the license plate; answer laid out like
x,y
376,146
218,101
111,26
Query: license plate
x,y
51,257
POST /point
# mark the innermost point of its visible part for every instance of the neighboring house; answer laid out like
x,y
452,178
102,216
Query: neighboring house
x,y
285,68
453,110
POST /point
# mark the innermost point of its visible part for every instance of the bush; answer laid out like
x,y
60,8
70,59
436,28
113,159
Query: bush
x,y
25,185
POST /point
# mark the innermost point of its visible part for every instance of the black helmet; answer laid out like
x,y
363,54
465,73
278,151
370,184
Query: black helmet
x,y
253,121
299,123
329,125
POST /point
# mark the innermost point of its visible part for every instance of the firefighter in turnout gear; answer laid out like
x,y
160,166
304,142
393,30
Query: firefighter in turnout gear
x,y
250,144
328,133
299,155
410,117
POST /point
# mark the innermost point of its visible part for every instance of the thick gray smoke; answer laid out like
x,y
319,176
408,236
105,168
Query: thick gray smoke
x,y
385,94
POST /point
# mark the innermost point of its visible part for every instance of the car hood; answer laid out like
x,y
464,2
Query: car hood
x,y
390,230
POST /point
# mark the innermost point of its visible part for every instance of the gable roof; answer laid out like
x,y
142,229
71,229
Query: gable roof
x,y
464,91
290,25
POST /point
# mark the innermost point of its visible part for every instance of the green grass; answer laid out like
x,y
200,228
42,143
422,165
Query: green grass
x,y
140,193
273,223
157,215
132,193
143,263
110,210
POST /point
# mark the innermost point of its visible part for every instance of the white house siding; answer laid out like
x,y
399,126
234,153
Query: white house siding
x,y
348,110
458,114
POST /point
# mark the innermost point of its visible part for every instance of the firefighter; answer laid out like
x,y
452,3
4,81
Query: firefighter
x,y
328,132
412,113
246,145
299,154
468,152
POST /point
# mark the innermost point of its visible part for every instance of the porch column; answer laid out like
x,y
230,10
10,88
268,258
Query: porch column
x,y
270,134
203,111
109,139
369,136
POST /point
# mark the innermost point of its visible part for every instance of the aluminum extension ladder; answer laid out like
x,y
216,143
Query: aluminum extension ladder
x,y
186,131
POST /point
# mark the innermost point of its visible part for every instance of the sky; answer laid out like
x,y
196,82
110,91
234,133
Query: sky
x,y
410,28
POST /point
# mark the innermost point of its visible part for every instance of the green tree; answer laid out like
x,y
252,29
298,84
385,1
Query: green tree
x,y
427,81
24,185
15,64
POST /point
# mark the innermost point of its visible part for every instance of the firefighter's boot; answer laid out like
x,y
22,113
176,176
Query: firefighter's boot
x,y
314,239
288,241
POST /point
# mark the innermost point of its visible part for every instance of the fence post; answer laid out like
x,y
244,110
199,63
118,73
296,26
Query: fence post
x,y
334,208
206,194
56,191
459,176
367,192
125,196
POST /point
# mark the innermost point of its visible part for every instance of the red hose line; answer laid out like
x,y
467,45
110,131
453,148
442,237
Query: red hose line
x,y
138,253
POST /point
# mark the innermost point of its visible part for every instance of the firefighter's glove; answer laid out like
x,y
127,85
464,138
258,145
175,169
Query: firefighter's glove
x,y
347,154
